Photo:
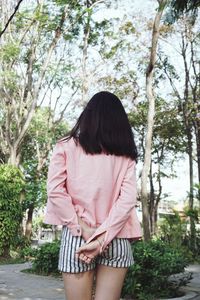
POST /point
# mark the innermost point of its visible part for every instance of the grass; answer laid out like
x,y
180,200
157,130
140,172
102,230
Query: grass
x,y
11,260
31,271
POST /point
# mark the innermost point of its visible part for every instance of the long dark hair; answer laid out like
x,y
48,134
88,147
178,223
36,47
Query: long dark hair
x,y
103,127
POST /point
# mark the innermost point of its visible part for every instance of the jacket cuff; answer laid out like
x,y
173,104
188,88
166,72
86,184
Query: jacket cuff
x,y
98,232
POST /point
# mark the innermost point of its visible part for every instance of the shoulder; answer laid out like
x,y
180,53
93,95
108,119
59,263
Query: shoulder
x,y
66,145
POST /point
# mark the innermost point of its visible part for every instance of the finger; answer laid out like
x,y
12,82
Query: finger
x,y
81,257
88,260
81,249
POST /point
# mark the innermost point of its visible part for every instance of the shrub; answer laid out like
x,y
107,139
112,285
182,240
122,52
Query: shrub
x,y
11,185
155,261
173,230
28,253
46,258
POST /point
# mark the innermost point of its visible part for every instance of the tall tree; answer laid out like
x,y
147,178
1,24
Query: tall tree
x,y
150,118
23,73
42,134
168,142
187,98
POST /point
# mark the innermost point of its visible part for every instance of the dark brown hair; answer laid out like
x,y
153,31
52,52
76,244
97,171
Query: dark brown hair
x,y
103,126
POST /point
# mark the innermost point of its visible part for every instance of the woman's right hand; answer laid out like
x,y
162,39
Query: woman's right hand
x,y
88,252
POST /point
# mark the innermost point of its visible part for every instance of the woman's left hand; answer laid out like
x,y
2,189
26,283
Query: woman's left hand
x,y
88,252
87,231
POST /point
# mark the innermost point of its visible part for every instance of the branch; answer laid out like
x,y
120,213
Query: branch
x,y
40,80
97,2
65,107
171,81
11,17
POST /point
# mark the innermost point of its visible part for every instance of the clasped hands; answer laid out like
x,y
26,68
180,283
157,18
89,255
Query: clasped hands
x,y
88,252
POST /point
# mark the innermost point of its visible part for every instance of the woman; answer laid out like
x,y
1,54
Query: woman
x,y
92,193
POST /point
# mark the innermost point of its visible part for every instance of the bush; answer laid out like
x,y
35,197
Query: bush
x,y
147,279
28,253
46,258
173,230
11,185
155,261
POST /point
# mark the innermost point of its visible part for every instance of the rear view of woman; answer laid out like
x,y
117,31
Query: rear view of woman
x,y
92,193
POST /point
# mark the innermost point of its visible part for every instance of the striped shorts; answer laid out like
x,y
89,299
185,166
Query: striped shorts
x,y
118,255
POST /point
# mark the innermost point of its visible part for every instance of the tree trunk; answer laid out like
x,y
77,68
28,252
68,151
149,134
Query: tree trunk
x,y
155,218
13,158
28,231
6,252
151,200
85,57
191,193
198,151
150,120
188,127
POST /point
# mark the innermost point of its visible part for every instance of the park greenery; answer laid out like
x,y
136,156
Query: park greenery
x,y
55,54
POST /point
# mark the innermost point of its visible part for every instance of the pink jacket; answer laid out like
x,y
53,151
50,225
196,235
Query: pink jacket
x,y
100,189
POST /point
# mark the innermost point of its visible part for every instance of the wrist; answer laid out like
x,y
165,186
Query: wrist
x,y
99,242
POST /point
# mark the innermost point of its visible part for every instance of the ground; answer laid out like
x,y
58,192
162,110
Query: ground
x,y
16,285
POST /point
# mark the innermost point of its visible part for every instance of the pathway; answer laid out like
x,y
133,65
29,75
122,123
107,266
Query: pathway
x,y
16,285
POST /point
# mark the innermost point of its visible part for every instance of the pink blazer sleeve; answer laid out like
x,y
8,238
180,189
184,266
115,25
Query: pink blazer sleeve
x,y
59,203
121,209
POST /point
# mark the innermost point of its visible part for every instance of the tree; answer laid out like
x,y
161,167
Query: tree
x,y
11,17
187,98
27,60
41,136
168,143
150,119
11,213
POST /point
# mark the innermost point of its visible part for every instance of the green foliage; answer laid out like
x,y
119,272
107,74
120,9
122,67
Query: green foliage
x,y
155,261
11,185
28,253
10,51
192,212
39,139
180,6
173,229
168,134
46,258
20,242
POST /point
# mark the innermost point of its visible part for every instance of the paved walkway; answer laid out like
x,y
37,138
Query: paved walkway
x,y
15,285
194,284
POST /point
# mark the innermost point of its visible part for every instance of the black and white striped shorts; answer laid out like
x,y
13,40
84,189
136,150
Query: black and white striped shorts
x,y
118,255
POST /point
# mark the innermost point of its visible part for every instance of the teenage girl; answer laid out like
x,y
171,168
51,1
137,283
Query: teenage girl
x,y
92,193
